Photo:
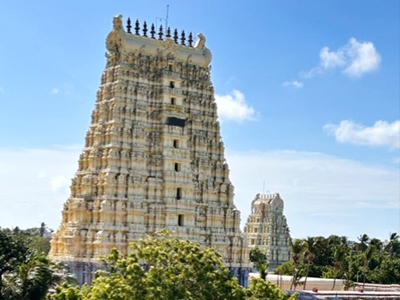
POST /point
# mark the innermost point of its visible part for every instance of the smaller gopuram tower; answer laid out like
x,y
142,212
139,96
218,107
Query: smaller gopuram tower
x,y
267,229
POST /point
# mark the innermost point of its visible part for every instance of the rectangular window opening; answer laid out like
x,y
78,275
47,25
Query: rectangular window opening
x,y
176,143
173,121
171,84
177,167
178,193
180,220
173,101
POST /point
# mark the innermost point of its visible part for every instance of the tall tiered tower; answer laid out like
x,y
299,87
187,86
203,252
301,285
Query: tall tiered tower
x,y
267,229
153,156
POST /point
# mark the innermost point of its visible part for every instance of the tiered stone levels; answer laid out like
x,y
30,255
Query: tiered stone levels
x,y
153,157
267,229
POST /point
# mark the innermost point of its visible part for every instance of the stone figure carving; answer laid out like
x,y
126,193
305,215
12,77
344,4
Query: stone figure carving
x,y
201,41
117,22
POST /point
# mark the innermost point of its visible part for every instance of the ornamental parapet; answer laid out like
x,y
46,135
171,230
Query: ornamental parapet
x,y
144,41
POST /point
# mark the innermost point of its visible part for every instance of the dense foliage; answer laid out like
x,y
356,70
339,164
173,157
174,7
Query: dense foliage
x,y
36,239
162,267
368,260
259,259
25,271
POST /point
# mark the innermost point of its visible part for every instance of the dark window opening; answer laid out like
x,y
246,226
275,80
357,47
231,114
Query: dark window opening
x,y
175,122
176,143
180,220
178,193
173,101
177,167
171,84
170,68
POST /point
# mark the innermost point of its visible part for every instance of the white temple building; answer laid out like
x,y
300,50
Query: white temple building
x,y
153,156
267,229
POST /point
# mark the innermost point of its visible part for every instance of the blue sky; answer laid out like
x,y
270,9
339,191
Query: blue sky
x,y
307,92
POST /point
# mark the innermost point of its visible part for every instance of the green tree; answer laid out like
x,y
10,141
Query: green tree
x,y
377,243
32,238
42,229
339,255
309,255
162,267
260,262
287,268
12,254
261,289
297,249
388,272
25,273
367,257
393,247
363,244
32,279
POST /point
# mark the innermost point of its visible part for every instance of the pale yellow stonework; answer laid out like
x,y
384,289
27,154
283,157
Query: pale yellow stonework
x,y
267,229
153,158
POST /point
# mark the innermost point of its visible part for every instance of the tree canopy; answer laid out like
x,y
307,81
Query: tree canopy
x,y
25,271
163,267
259,259
367,260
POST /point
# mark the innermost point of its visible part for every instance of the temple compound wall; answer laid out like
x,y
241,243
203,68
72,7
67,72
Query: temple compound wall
x,y
153,156
267,229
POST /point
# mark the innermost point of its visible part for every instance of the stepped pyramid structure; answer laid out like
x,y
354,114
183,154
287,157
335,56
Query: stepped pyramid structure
x,y
153,156
267,229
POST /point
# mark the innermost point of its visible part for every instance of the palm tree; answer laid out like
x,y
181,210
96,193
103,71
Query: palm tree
x,y
345,241
338,258
32,279
298,273
393,247
367,256
363,244
297,249
259,259
263,268
309,255
42,229
377,243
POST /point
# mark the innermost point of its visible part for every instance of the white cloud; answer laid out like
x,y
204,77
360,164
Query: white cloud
x,y
34,185
233,107
55,91
317,189
60,183
65,89
363,58
294,83
355,59
382,133
323,194
332,59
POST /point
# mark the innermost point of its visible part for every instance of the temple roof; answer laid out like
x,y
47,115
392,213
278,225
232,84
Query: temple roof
x,y
148,41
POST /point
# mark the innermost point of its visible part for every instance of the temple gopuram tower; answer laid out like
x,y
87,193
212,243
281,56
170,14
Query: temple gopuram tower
x,y
153,156
267,229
